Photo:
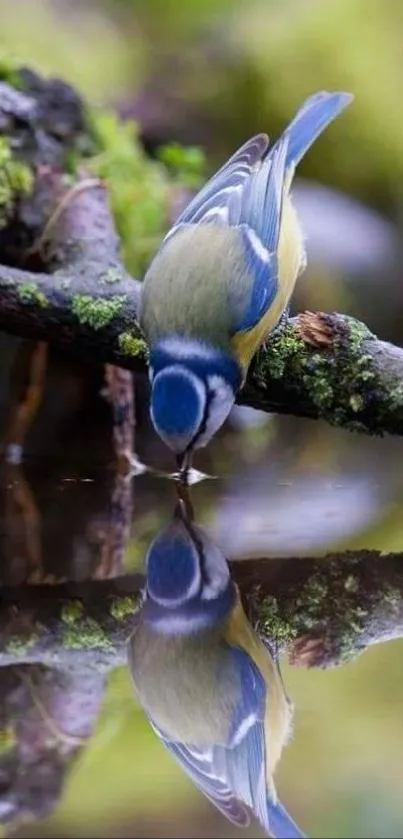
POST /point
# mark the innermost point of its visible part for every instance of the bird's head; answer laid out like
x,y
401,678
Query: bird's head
x,y
193,389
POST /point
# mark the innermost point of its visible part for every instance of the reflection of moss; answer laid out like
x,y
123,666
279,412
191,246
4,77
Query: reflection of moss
x,y
133,346
351,583
393,598
82,633
111,276
123,607
85,634
8,740
18,646
30,293
72,612
96,312
272,623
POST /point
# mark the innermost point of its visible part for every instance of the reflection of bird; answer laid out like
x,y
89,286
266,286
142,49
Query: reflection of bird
x,y
222,280
209,685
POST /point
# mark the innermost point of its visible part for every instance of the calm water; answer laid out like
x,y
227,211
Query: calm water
x,y
284,488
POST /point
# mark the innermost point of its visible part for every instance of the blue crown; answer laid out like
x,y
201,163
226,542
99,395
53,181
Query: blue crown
x,y
178,402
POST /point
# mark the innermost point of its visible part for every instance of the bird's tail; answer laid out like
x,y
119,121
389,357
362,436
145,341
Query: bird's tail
x,y
317,112
281,825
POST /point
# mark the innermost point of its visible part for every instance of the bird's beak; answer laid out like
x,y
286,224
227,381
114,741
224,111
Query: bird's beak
x,y
184,462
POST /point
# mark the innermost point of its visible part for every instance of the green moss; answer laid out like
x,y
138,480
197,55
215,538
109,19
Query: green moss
x,y
313,593
10,69
18,646
123,607
16,180
30,293
338,384
320,389
8,740
72,612
86,634
96,313
280,352
138,188
141,190
186,163
133,346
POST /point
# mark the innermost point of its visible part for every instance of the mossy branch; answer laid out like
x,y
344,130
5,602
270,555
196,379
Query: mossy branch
x,y
321,611
88,304
71,289
330,367
355,381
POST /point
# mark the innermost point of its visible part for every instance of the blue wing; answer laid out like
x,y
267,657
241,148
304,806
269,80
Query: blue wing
x,y
316,113
233,775
213,201
261,200
282,826
248,191
260,220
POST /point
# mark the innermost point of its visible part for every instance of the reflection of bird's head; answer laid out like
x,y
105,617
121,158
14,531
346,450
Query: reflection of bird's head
x,y
188,581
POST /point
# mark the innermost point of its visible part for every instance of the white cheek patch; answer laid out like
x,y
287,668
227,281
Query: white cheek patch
x,y
217,575
221,399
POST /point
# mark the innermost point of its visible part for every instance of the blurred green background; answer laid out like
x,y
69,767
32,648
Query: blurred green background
x,y
210,73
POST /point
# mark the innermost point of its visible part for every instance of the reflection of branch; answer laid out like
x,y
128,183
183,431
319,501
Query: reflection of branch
x,y
22,545
47,716
78,623
119,391
326,610
23,412
322,611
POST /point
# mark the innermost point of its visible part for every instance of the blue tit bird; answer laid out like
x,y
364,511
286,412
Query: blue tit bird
x,y
211,688
222,280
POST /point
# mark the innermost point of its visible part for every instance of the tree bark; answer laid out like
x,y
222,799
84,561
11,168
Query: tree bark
x,y
63,282
320,611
